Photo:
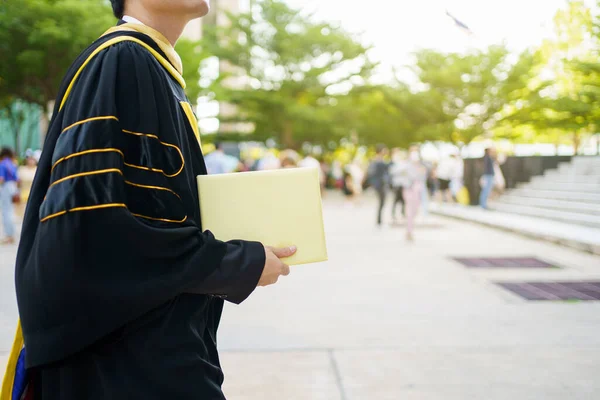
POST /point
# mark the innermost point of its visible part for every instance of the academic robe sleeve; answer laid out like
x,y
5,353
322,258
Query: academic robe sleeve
x,y
113,238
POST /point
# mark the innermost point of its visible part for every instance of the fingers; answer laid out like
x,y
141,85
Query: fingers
x,y
285,269
284,251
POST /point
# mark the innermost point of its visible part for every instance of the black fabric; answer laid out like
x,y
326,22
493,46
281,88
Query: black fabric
x,y
119,290
378,174
398,198
444,184
488,165
381,193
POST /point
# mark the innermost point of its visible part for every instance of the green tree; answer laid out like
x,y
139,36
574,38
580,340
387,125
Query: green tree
x,y
465,93
284,72
389,114
563,97
39,39
192,55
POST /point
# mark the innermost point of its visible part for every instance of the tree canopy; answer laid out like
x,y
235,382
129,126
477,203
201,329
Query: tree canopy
x,y
283,71
285,75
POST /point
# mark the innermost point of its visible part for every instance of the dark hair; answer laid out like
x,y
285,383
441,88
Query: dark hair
x,y
118,7
380,148
6,152
288,161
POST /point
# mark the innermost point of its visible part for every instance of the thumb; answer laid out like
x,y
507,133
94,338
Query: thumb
x,y
284,251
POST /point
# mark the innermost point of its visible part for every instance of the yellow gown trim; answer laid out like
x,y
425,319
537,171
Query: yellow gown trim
x,y
166,64
9,375
187,109
162,42
85,121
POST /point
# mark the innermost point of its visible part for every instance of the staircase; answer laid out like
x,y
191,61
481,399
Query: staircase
x,y
569,194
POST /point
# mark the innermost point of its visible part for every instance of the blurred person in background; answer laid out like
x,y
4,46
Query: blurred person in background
x,y
288,162
325,172
217,162
310,162
378,177
487,179
8,193
348,188
337,174
430,184
416,173
26,173
399,179
268,161
456,176
499,181
432,180
444,172
358,176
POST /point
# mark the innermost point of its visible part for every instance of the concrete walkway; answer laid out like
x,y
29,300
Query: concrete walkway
x,y
385,319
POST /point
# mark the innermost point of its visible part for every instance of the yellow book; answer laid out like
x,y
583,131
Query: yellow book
x,y
277,208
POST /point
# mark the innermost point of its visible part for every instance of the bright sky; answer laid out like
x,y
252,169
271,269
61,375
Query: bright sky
x,y
398,27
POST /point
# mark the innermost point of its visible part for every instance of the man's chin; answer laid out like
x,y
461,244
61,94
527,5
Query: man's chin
x,y
203,8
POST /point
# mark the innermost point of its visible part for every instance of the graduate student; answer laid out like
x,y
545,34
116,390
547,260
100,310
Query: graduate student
x,y
120,291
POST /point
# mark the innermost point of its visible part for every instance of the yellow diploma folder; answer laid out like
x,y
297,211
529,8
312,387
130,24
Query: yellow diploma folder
x,y
277,208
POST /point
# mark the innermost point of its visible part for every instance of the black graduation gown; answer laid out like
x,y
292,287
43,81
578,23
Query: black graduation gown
x,y
120,292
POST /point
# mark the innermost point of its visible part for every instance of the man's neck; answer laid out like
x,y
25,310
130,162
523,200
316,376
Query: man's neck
x,y
169,26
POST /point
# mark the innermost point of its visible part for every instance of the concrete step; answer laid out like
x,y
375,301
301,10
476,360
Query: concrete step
x,y
554,173
560,205
567,178
582,197
575,236
589,160
562,216
586,169
563,187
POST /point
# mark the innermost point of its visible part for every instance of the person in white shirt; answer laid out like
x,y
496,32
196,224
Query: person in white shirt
x,y
399,179
444,173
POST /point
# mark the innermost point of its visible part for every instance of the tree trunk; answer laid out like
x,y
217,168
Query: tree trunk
x,y
15,114
17,137
287,139
576,142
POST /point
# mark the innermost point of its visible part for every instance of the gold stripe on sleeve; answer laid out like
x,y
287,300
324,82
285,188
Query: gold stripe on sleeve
x,y
145,168
96,207
160,219
164,144
89,120
81,153
152,187
100,171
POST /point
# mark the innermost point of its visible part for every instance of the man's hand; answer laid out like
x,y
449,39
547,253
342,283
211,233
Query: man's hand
x,y
274,267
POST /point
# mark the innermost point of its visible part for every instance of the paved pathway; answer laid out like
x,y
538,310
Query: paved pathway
x,y
385,319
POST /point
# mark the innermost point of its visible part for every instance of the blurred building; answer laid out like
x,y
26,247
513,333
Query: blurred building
x,y
194,31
